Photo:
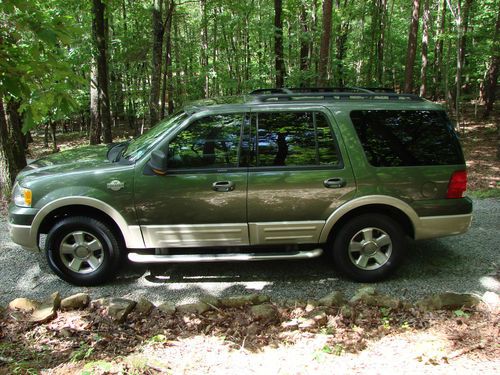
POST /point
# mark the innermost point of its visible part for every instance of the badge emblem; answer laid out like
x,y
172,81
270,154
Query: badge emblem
x,y
115,185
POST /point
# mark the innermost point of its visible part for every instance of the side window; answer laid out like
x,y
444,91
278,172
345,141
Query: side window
x,y
407,138
294,139
209,142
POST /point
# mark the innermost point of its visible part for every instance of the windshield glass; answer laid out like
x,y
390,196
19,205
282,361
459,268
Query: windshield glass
x,y
140,145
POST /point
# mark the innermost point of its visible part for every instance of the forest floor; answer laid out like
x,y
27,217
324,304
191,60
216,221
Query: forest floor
x,y
373,340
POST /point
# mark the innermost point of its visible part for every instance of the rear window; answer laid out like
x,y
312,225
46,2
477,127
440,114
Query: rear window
x,y
407,138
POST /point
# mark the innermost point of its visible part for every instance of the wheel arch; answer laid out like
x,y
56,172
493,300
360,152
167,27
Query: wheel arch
x,y
390,206
86,206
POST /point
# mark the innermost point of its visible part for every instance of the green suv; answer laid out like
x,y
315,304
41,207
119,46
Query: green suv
x,y
277,174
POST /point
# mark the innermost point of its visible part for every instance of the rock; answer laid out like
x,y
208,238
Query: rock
x,y
143,306
291,324
24,304
307,324
492,300
47,309
295,303
335,298
167,308
75,302
319,316
362,293
116,308
311,305
243,300
265,311
193,308
346,311
211,301
448,301
369,296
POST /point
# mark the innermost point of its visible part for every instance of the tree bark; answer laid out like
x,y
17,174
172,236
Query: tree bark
x,y
100,24
18,140
95,113
341,45
304,39
425,45
412,48
382,9
324,52
154,97
491,77
7,166
167,86
438,54
279,62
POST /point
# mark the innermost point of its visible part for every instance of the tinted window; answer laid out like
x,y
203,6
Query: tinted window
x,y
294,139
407,138
210,142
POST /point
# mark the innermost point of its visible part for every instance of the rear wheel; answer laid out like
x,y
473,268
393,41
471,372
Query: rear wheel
x,y
83,251
368,247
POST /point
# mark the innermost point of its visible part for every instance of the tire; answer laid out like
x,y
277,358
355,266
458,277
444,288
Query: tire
x,y
368,247
83,251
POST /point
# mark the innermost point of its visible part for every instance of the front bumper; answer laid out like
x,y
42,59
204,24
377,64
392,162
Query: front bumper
x,y
441,226
20,220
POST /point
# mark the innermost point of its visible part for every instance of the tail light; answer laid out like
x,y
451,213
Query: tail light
x,y
457,184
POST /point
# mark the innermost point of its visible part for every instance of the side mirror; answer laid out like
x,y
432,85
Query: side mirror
x,y
158,162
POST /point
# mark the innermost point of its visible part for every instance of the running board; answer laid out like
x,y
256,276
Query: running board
x,y
236,257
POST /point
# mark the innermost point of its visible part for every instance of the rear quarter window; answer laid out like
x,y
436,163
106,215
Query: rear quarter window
x,y
407,138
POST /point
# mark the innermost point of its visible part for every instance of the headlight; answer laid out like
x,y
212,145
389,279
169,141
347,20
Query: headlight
x,y
22,197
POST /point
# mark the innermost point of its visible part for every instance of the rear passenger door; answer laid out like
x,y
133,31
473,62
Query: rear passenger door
x,y
299,174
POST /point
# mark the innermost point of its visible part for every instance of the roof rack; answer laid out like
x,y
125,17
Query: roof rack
x,y
341,96
295,90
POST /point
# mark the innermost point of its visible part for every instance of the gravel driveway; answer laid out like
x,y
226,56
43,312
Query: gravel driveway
x,y
466,263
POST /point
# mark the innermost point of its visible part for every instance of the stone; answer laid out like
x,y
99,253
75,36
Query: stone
x,y
116,308
47,309
75,302
291,324
211,300
24,304
492,300
193,308
311,305
362,293
143,306
265,311
167,308
319,316
448,301
307,324
335,298
243,300
346,311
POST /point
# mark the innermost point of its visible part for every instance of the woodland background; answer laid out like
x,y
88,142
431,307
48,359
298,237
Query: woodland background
x,y
97,67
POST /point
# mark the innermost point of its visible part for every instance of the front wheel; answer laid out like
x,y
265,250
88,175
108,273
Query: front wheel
x,y
83,251
368,247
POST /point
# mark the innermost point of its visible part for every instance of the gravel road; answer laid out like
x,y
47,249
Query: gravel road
x,y
466,263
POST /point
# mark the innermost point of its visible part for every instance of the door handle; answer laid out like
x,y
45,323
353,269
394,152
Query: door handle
x,y
334,183
223,186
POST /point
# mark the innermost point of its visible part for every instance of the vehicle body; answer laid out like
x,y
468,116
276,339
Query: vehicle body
x,y
283,175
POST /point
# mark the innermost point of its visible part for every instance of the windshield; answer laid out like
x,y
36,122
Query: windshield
x,y
137,147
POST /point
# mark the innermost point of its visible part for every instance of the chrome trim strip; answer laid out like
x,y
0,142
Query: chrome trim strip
x,y
131,234
367,200
158,236
285,232
188,258
20,234
440,226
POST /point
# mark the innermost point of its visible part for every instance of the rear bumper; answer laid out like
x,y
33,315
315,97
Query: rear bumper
x,y
441,226
20,234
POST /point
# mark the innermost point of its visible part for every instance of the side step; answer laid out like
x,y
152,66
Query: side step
x,y
235,257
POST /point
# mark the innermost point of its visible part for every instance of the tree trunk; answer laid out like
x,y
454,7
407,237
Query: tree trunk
x,y
304,40
167,87
324,52
438,54
382,9
412,48
18,140
491,77
95,114
7,166
425,45
154,97
279,62
100,24
204,47
341,46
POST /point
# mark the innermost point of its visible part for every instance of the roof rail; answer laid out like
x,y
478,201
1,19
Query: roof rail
x,y
314,96
295,90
